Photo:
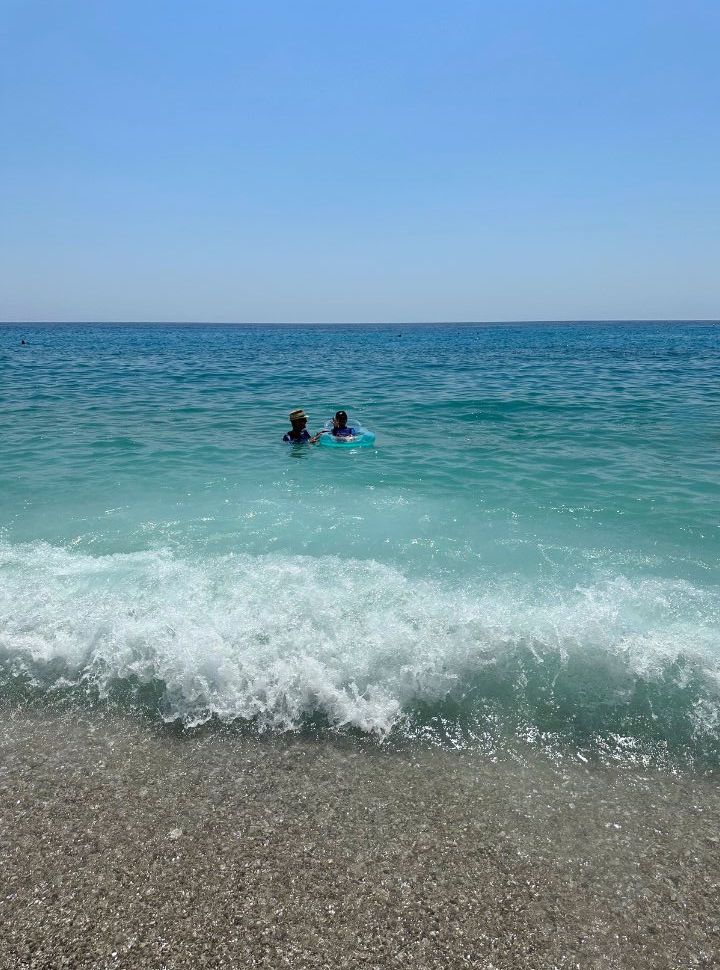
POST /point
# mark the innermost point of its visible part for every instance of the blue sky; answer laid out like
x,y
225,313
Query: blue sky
x,y
366,161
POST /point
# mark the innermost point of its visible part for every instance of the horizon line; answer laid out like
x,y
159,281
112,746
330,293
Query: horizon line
x,y
355,323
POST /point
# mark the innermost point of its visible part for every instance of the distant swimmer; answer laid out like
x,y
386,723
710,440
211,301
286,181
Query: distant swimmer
x,y
299,433
22,342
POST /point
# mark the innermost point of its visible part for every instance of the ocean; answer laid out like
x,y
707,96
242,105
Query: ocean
x,y
530,552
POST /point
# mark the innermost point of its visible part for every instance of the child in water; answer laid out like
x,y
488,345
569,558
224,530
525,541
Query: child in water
x,y
340,428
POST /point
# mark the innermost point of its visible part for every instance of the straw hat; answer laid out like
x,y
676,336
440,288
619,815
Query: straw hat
x,y
298,415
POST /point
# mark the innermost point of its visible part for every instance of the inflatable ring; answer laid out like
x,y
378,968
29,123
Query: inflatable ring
x,y
361,439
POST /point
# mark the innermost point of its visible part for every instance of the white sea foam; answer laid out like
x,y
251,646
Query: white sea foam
x,y
276,638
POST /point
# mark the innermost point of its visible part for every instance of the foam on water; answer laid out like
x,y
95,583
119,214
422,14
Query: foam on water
x,y
278,639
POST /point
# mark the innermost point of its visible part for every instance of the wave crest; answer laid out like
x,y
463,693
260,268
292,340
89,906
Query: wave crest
x,y
277,640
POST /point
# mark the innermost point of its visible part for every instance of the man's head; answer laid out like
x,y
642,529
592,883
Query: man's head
x,y
341,419
298,418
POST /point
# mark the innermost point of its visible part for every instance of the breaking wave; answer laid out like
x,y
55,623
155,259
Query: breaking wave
x,y
282,641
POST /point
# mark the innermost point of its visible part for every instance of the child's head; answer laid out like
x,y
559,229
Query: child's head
x,y
341,419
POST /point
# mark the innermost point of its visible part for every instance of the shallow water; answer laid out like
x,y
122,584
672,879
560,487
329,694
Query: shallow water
x,y
534,541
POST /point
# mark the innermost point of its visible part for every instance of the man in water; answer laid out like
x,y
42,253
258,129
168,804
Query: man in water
x,y
299,432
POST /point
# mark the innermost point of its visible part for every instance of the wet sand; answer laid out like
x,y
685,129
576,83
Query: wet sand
x,y
124,845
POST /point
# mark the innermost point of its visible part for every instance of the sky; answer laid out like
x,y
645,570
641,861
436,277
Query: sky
x,y
383,160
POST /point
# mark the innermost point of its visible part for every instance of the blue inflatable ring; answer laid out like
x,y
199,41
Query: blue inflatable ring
x,y
361,439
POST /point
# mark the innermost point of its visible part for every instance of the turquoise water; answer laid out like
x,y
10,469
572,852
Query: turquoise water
x,y
533,545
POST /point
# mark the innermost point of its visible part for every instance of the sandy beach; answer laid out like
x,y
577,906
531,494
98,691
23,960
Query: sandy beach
x,y
127,845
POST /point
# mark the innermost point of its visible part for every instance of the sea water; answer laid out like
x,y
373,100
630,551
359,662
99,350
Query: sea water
x,y
532,547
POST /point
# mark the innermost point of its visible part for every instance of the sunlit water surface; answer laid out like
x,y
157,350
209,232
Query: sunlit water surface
x,y
533,545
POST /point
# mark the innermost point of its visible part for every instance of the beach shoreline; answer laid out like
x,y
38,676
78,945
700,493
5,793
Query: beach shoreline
x,y
127,845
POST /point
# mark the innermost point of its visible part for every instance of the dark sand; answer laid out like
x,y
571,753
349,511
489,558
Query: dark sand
x,y
123,845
